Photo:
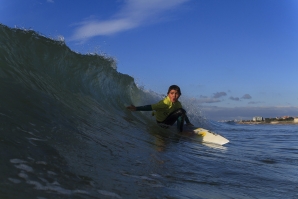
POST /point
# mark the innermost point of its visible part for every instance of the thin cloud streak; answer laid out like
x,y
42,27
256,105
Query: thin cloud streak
x,y
246,96
134,13
235,98
219,94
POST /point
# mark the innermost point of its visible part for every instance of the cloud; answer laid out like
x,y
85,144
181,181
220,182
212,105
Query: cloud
x,y
253,102
205,99
246,96
214,99
202,96
209,100
133,14
235,98
50,1
219,94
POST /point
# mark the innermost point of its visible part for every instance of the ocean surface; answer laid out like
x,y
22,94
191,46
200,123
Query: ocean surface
x,y
65,133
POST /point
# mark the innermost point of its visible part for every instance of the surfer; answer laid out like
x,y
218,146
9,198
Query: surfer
x,y
167,111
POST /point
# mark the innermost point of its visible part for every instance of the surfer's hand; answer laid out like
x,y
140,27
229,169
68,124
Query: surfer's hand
x,y
131,108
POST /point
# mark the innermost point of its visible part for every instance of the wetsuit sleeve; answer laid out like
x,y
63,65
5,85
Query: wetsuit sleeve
x,y
144,108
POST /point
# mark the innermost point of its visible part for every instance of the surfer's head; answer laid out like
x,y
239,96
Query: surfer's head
x,y
174,93
174,87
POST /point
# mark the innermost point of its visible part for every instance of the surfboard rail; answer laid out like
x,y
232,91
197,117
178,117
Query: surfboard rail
x,y
210,137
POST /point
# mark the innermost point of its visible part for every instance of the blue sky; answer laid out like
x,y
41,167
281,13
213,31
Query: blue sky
x,y
226,54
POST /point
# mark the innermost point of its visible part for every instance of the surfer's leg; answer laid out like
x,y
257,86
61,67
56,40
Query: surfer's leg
x,y
180,122
178,116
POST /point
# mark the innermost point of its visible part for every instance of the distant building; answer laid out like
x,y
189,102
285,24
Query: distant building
x,y
296,119
257,119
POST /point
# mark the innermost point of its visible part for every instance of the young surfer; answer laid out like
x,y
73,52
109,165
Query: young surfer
x,y
167,111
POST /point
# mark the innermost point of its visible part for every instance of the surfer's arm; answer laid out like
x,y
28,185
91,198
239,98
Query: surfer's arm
x,y
140,108
187,121
144,108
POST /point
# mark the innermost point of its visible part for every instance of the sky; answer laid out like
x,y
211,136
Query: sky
x,y
236,59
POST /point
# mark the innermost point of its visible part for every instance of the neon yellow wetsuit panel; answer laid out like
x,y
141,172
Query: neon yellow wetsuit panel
x,y
164,107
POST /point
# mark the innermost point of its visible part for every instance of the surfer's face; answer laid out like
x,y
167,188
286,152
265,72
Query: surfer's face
x,y
173,95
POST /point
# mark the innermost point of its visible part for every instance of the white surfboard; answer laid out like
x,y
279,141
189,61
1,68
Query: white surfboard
x,y
210,137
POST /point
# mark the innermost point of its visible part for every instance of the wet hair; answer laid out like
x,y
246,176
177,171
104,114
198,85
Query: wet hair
x,y
174,87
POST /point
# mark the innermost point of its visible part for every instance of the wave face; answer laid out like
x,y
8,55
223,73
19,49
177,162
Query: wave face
x,y
64,122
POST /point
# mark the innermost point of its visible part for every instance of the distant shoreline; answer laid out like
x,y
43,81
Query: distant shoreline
x,y
272,122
